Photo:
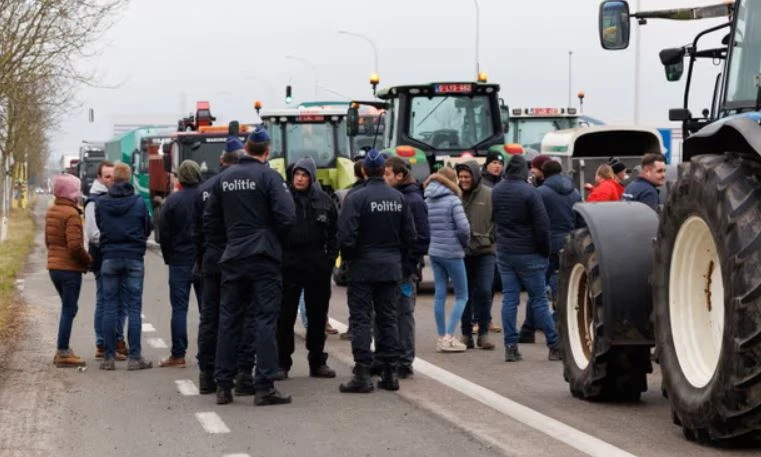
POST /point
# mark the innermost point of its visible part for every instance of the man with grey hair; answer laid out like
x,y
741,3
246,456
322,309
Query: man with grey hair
x,y
176,229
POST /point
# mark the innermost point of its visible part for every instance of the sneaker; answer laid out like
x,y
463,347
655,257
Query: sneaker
x,y
173,362
139,364
512,354
467,340
441,344
494,329
108,364
456,345
67,359
484,343
555,355
272,398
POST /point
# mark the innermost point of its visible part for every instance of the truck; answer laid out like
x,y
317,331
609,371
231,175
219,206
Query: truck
x,y
68,164
529,125
436,124
316,132
685,279
91,154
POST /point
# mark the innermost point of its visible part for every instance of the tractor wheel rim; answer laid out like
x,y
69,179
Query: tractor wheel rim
x,y
696,302
580,316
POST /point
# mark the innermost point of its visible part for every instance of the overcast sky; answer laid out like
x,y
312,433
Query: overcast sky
x,y
232,52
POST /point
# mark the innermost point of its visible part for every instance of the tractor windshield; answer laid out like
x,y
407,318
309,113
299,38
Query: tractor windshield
x,y
451,122
205,154
323,142
529,132
746,55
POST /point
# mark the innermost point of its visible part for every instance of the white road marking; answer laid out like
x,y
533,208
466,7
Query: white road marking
x,y
186,387
236,455
212,423
157,343
148,327
554,428
142,316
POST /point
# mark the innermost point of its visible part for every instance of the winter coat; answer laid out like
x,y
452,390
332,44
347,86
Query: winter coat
x,y
176,227
92,233
609,190
450,229
64,237
413,195
642,190
124,223
312,245
559,195
523,226
477,204
489,180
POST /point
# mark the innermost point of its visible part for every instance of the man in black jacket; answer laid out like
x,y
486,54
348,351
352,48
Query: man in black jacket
x,y
252,202
375,232
308,258
523,249
178,250
210,243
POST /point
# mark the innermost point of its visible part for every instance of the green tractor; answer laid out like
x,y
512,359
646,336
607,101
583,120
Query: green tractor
x,y
437,124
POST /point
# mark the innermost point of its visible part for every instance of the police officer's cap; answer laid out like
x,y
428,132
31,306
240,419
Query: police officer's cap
x,y
233,144
259,135
374,159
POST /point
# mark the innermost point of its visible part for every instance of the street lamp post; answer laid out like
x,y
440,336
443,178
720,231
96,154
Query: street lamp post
x,y
314,69
570,76
366,38
637,59
478,37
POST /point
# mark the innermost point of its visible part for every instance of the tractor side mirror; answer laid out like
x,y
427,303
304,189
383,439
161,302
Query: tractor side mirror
x,y
614,24
352,122
673,61
504,115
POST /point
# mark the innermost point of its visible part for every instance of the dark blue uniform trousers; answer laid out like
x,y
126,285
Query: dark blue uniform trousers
x,y
383,298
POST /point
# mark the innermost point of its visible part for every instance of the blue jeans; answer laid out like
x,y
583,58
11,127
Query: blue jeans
x,y
303,310
529,270
68,284
122,290
181,279
99,314
480,272
443,270
529,327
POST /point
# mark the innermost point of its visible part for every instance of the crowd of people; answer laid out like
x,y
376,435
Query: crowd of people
x,y
255,247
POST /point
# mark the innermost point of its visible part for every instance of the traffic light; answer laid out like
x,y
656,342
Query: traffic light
x,y
288,94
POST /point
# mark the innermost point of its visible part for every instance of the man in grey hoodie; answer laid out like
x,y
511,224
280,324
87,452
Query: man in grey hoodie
x,y
100,187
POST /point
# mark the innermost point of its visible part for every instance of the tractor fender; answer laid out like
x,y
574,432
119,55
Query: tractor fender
x,y
623,235
738,134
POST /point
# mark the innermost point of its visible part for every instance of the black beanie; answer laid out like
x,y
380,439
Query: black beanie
x,y
517,167
494,156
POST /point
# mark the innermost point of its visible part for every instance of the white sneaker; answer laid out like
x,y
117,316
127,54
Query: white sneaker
x,y
456,345
441,344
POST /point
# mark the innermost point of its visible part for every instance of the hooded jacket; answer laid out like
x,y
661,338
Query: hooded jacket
x,y
450,229
176,227
478,208
312,244
523,226
124,223
609,190
63,237
413,195
559,196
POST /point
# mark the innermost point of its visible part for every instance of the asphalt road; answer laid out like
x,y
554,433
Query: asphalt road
x,y
458,404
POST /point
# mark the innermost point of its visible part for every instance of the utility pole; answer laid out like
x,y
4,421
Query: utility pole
x,y
570,77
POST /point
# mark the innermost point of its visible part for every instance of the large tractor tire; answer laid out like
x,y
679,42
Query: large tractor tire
x,y
707,299
594,368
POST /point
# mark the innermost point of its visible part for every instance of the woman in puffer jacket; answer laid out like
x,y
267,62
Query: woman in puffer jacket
x,y
608,189
450,235
67,260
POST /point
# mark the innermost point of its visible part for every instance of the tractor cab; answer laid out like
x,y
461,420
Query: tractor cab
x,y
529,125
428,124
204,147
319,133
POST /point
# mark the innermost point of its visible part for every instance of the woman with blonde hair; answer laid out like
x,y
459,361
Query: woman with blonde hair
x,y
607,188
67,260
450,236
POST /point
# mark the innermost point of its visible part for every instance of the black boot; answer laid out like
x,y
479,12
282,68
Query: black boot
x,y
360,383
318,367
206,383
281,375
244,385
224,396
376,368
389,380
273,397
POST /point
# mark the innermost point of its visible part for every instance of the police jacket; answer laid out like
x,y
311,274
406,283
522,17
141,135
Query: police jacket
x,y
376,233
252,202
208,235
312,245
124,223
176,227
642,190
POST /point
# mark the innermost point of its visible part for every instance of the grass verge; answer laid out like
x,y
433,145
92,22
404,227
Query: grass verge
x,y
13,253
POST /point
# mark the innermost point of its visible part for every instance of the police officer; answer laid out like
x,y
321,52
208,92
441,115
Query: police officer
x,y
376,233
252,202
308,259
210,243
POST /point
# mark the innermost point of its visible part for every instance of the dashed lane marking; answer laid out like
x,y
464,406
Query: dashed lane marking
x,y
186,387
236,455
554,428
148,327
157,343
212,423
